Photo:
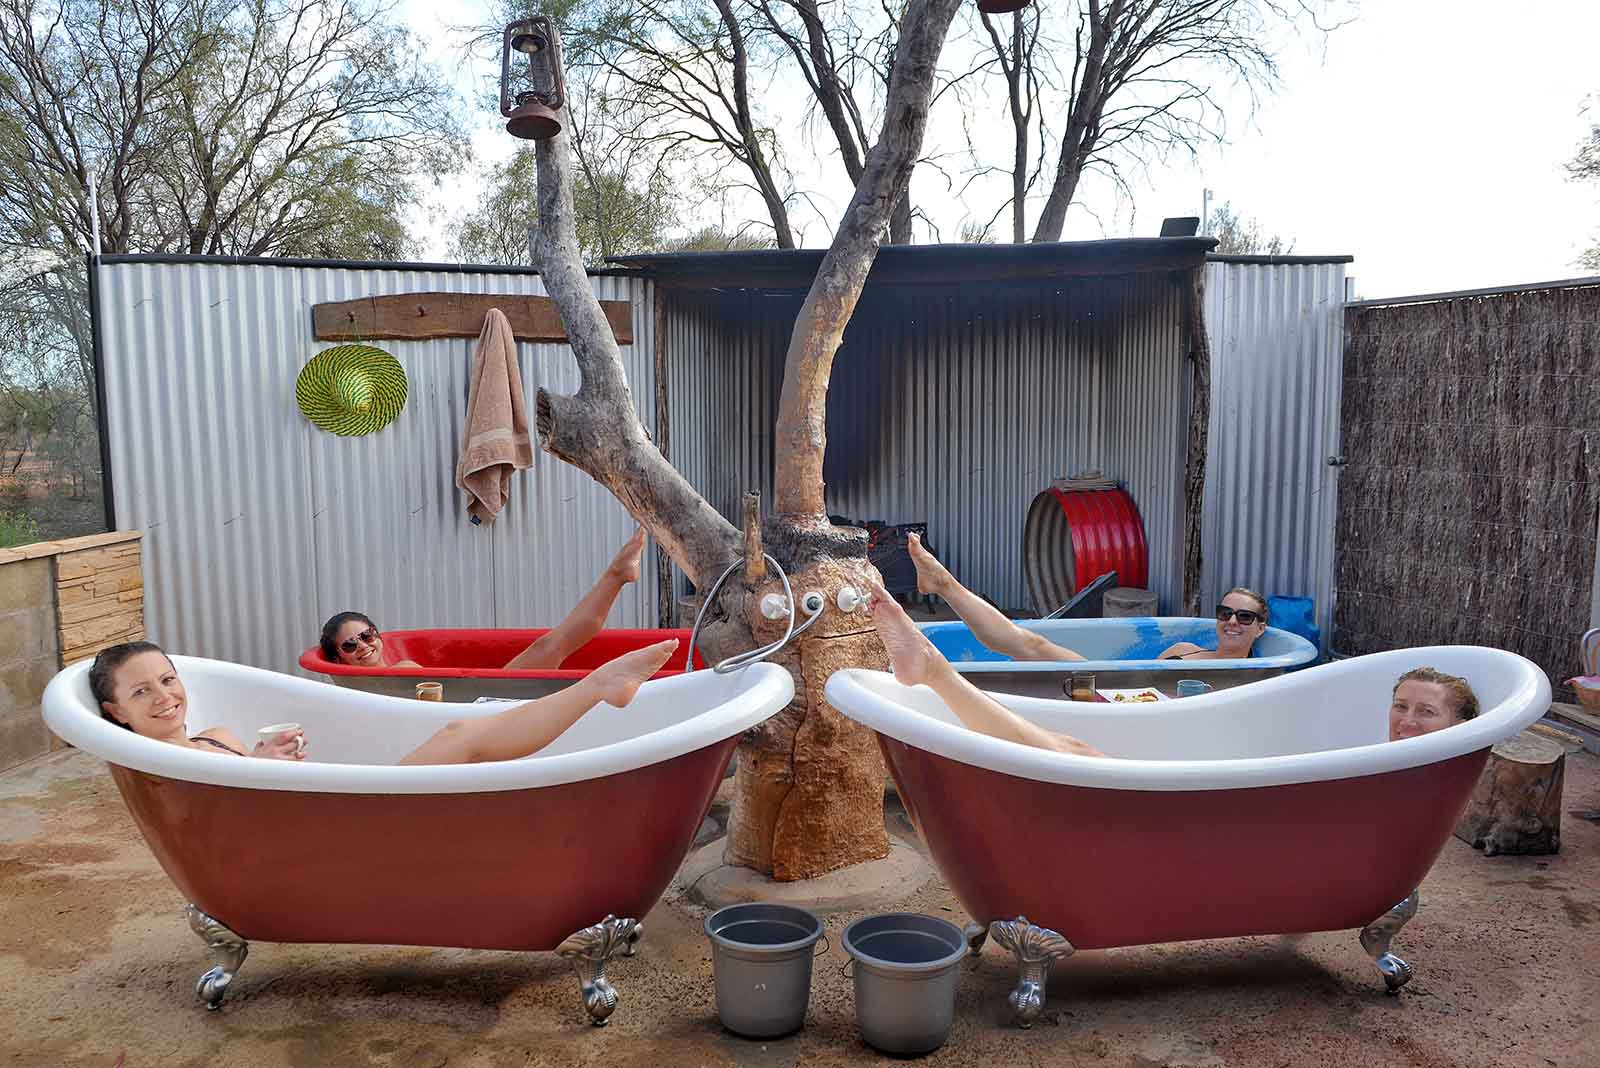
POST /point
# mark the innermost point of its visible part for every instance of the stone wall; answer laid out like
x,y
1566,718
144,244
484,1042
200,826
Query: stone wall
x,y
60,601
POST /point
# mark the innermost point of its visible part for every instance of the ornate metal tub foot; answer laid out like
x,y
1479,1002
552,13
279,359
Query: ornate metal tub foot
x,y
1375,939
228,952
977,934
1036,948
588,951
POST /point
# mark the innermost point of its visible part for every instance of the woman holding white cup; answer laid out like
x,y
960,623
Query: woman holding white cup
x,y
138,688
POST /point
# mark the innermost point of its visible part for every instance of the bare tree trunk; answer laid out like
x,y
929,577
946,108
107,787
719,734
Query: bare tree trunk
x,y
1083,123
597,429
771,195
801,436
809,793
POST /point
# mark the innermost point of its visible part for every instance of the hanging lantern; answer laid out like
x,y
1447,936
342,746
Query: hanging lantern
x,y
1001,7
530,99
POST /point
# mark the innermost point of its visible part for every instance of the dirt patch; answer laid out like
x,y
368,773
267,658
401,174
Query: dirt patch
x,y
96,962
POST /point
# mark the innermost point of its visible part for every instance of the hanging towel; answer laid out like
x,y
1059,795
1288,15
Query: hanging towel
x,y
496,441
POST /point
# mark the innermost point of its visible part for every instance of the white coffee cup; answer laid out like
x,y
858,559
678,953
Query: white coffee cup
x,y
267,734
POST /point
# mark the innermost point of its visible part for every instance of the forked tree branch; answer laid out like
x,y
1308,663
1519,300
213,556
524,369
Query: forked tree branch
x,y
596,429
801,435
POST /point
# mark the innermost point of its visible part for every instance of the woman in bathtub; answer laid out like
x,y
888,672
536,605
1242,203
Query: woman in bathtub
x,y
1241,619
1424,700
138,688
353,638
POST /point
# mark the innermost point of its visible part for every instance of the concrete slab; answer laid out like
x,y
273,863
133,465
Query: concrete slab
x,y
96,964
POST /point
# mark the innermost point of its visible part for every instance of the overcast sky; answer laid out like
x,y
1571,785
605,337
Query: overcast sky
x,y
1426,138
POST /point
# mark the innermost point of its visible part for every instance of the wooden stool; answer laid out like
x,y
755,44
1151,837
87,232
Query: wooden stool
x,y
1516,806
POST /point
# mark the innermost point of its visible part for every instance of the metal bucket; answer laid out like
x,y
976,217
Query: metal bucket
x,y
906,967
761,955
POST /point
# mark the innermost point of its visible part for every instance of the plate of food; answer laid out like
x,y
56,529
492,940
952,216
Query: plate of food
x,y
1137,695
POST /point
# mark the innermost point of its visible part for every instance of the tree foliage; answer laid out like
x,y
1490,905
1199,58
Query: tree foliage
x,y
272,127
1585,167
1239,236
613,216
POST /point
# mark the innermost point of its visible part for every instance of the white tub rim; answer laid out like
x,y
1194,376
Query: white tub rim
x,y
762,690
861,695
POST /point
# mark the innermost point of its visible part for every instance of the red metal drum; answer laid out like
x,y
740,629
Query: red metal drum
x,y
1072,537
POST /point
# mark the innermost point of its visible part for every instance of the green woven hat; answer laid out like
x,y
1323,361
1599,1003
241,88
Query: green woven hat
x,y
351,389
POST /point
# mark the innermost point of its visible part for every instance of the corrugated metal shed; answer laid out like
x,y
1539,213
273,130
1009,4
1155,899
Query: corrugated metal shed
x,y
955,404
950,404
1276,332
259,526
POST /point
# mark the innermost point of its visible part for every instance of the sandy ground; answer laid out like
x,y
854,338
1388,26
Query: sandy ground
x,y
97,968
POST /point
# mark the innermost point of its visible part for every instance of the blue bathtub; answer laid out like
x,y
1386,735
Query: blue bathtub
x,y
1121,652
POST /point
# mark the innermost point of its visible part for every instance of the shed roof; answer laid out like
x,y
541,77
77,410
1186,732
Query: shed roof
x,y
927,264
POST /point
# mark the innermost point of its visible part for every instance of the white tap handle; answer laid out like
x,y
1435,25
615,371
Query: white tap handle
x,y
850,599
775,606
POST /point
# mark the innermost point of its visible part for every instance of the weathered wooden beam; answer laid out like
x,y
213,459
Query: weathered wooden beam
x,y
421,316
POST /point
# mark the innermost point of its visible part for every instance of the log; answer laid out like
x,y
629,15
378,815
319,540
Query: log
x,y
1516,806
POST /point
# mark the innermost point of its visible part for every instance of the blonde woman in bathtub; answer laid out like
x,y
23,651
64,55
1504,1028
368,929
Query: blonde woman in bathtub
x,y
353,638
1426,700
1241,619
138,687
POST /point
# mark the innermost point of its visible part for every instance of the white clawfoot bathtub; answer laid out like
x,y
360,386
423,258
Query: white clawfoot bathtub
x,y
559,851
1273,808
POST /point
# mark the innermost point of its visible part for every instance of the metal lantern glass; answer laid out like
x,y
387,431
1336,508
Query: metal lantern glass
x,y
531,98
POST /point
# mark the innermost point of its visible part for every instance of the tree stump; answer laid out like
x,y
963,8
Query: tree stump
x,y
1516,806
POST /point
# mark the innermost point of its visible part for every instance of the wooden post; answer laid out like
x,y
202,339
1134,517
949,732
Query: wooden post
x,y
1516,806
666,603
1194,481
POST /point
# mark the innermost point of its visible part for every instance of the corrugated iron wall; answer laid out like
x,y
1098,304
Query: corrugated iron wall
x,y
258,526
951,405
1270,496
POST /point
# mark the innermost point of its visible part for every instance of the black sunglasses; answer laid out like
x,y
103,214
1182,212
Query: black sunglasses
x,y
367,636
1244,615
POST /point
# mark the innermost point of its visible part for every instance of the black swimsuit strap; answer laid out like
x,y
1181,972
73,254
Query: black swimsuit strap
x,y
224,746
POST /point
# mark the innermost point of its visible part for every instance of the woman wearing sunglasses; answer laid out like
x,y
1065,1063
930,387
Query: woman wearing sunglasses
x,y
1241,619
353,638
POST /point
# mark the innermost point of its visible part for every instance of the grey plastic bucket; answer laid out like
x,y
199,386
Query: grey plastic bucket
x,y
761,955
906,968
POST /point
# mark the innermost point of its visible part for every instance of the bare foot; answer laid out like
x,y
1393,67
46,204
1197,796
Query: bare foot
x,y
912,657
625,565
932,576
620,679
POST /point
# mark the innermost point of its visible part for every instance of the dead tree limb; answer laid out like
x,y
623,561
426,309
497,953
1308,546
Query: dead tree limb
x,y
597,429
801,437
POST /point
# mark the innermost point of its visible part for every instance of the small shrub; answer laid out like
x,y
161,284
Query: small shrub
x,y
17,528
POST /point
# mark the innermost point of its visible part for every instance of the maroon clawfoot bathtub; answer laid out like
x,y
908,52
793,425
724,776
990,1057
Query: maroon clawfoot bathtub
x,y
1274,808
559,851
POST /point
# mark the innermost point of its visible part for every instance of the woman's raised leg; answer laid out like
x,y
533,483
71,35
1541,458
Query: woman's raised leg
x,y
914,660
989,625
525,729
588,616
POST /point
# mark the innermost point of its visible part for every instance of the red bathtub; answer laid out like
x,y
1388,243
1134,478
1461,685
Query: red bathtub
x,y
1274,808
469,661
559,851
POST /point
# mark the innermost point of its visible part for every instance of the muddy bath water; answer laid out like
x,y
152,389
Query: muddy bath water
x,y
97,967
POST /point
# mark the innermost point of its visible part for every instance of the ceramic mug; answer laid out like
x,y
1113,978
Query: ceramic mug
x,y
266,734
